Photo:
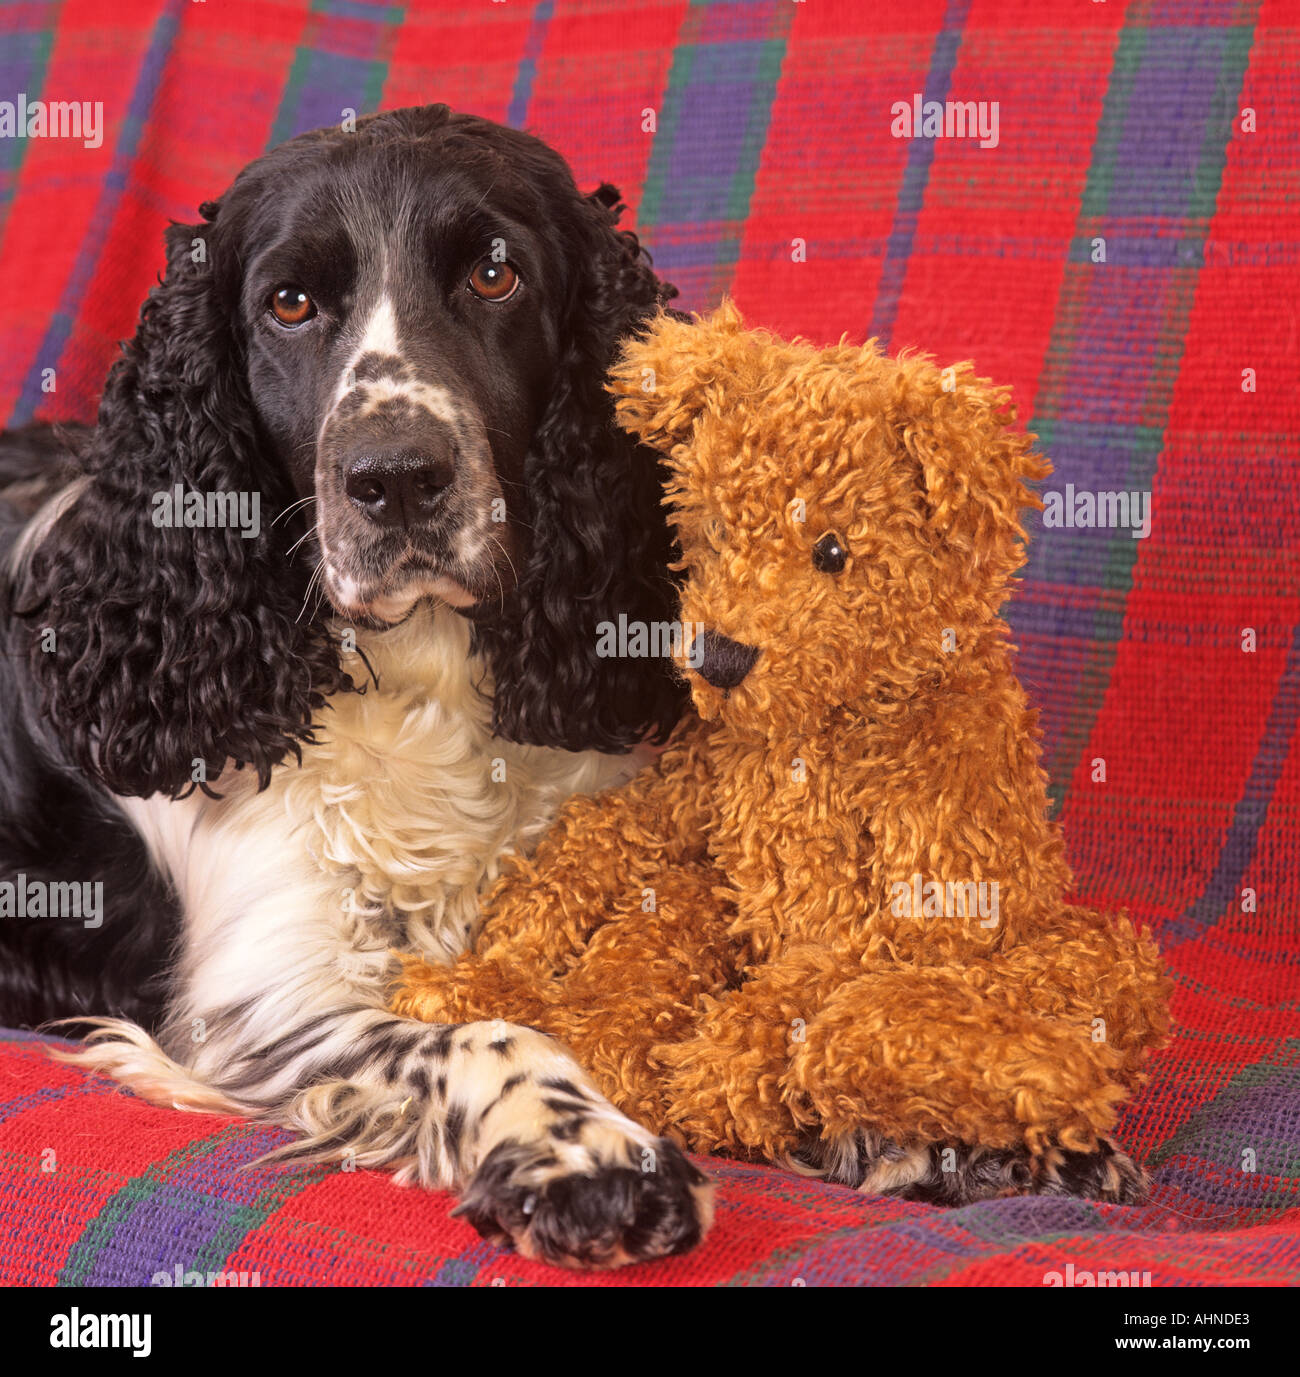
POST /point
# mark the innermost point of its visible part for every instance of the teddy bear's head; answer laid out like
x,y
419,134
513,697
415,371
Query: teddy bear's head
x,y
849,523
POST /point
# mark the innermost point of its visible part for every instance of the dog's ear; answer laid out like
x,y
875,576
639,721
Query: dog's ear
x,y
666,374
166,651
600,541
972,468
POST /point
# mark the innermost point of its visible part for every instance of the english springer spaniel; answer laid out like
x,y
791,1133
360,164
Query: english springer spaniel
x,y
302,639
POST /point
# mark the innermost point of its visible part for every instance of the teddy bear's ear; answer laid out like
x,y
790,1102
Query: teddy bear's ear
x,y
666,377
973,466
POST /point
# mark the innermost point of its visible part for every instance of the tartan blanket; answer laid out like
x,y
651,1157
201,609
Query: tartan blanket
x,y
1121,246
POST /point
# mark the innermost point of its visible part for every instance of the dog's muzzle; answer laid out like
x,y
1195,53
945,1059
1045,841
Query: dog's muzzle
x,y
722,661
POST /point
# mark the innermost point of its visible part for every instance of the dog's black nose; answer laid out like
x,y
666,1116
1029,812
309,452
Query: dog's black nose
x,y
722,661
399,487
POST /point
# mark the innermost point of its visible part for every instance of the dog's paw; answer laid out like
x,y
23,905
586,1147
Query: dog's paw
x,y
1105,1174
610,1202
961,1174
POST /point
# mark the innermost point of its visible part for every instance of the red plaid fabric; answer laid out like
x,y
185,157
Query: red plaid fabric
x,y
1125,257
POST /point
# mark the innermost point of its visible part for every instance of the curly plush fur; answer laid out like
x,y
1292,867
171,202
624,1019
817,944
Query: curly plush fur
x,y
731,942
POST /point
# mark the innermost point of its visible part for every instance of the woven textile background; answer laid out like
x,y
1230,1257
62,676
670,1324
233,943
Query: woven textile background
x,y
1162,134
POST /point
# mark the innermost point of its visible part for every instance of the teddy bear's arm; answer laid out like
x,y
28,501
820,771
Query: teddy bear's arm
x,y
967,860
602,852
598,861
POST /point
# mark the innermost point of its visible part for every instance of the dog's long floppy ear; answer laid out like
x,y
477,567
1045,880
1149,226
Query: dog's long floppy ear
x,y
973,466
166,651
600,537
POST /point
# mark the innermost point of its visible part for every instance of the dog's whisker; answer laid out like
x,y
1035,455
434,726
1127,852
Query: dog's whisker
x,y
311,583
293,507
496,540
306,535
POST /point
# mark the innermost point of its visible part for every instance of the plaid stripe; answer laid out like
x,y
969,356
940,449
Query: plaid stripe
x,y
1240,842
705,159
170,1214
517,114
141,106
773,129
1122,324
911,196
22,68
341,62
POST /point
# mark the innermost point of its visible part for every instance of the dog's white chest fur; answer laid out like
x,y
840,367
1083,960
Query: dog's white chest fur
x,y
408,797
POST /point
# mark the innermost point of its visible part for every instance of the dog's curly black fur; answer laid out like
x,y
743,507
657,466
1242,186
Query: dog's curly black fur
x,y
550,688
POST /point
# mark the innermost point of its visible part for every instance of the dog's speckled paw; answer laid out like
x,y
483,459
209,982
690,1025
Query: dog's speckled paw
x,y
618,1206
960,1174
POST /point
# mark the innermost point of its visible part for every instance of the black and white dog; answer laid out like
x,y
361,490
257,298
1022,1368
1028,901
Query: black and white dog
x,y
302,640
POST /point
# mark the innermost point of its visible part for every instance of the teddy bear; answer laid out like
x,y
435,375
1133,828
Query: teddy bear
x,y
828,927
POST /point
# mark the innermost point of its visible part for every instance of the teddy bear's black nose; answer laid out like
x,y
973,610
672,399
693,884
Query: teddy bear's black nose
x,y
721,661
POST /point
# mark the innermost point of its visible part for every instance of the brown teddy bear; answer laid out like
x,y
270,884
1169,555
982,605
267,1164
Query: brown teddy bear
x,y
827,926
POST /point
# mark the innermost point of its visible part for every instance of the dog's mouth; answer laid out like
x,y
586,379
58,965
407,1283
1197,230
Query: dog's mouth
x,y
378,611
380,601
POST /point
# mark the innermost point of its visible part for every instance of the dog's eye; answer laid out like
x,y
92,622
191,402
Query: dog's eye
x,y
292,306
493,281
829,554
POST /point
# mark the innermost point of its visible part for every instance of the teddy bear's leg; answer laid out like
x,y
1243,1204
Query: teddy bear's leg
x,y
1005,1073
1097,967
639,982
1026,1054
601,857
538,919
925,1055
723,1084
472,990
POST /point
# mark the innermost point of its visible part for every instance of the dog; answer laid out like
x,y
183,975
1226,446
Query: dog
x,y
302,638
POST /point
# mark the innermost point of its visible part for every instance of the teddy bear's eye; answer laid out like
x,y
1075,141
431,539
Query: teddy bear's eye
x,y
829,554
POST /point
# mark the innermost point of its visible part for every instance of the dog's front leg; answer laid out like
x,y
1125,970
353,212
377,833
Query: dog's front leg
x,y
504,1114
498,1111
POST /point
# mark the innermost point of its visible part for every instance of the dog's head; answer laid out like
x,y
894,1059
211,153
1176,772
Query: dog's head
x,y
849,523
404,295
395,337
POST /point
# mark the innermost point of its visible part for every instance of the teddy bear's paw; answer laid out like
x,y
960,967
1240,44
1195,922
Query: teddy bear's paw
x,y
602,1200
961,1173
